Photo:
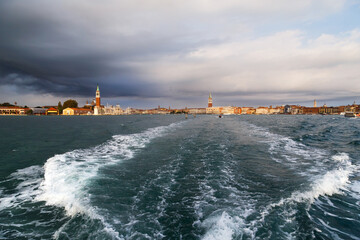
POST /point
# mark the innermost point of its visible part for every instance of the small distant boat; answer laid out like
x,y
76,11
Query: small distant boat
x,y
350,114
220,116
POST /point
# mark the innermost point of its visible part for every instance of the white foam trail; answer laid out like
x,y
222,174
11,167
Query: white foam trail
x,y
281,144
328,175
332,182
27,189
222,227
67,175
224,224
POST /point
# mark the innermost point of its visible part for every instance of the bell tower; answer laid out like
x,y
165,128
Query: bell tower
x,y
210,101
98,96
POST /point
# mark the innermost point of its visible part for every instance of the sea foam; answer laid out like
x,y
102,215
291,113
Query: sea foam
x,y
323,181
27,189
222,227
68,176
328,175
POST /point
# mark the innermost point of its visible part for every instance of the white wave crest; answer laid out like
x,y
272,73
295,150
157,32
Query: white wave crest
x,y
342,158
335,181
222,227
290,152
67,175
26,190
64,180
332,182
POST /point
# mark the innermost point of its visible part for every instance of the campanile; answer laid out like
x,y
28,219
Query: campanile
x,y
98,96
210,100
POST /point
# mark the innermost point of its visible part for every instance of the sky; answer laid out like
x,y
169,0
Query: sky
x,y
173,53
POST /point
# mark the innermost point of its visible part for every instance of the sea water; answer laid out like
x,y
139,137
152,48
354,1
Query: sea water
x,y
167,177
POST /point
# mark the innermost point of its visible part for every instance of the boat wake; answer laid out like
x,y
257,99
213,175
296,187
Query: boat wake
x,y
327,175
65,179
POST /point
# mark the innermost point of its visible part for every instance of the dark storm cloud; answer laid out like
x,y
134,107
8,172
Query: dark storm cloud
x,y
63,54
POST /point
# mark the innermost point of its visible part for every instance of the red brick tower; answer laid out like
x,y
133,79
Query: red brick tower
x,y
210,101
97,96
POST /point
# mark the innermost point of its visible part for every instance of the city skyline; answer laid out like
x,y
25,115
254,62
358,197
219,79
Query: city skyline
x,y
145,54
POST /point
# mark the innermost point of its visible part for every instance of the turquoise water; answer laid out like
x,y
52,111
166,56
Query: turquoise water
x,y
164,177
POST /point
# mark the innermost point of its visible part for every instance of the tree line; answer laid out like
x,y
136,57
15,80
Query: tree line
x,y
71,103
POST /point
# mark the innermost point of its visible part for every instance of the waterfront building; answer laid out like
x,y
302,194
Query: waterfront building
x,y
113,110
213,110
287,109
52,111
223,110
129,111
13,110
315,103
310,110
197,110
180,110
262,110
89,105
275,110
38,111
250,110
77,111
329,110
230,110
237,110
158,110
244,110
295,109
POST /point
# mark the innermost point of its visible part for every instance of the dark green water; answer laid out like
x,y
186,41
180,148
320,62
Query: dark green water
x,y
164,177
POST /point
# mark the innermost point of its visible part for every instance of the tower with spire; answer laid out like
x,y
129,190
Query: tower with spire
x,y
210,104
97,108
314,103
98,96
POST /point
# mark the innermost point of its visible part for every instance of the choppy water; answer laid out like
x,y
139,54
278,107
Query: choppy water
x,y
164,177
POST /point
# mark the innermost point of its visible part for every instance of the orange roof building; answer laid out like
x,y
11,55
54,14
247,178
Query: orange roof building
x,y
52,111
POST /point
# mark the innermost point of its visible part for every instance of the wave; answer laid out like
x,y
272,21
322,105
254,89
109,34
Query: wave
x,y
222,227
230,209
226,226
327,175
27,189
65,179
332,182
67,175
303,159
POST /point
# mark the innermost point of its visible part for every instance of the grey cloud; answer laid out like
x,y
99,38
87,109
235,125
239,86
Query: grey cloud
x,y
143,48
60,53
